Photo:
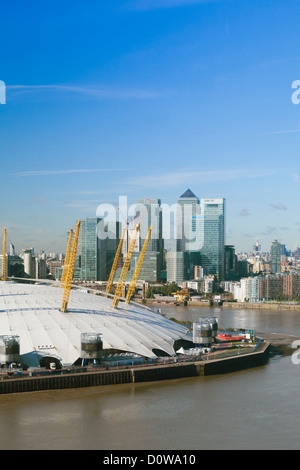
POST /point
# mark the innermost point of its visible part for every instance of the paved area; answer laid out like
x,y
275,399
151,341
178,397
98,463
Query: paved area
x,y
277,339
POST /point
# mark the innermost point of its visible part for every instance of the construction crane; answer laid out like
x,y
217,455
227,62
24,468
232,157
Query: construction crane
x,y
67,259
138,268
182,294
3,268
115,263
125,268
130,220
70,272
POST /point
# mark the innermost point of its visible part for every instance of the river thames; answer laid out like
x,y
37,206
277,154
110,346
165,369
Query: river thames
x,y
256,408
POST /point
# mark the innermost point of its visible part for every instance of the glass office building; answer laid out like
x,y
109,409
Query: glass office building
x,y
276,257
93,251
149,213
187,210
209,229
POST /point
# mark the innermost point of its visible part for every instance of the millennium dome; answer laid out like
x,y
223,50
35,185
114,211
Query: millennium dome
x,y
32,313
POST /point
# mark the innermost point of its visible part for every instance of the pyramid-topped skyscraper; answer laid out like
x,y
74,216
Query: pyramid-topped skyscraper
x,y
187,209
188,193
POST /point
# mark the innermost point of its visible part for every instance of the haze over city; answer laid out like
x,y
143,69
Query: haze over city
x,y
146,99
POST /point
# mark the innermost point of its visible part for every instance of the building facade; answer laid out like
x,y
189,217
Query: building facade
x,y
93,251
187,210
149,213
211,235
175,266
276,257
269,287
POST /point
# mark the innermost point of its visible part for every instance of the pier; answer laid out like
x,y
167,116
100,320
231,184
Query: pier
x,y
140,373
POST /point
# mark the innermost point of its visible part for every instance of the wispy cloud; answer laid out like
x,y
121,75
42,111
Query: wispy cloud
x,y
63,172
295,177
180,178
84,203
154,4
39,200
92,91
279,207
269,230
287,131
244,213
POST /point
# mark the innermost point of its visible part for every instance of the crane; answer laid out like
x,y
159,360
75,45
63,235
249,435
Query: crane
x,y
115,263
125,268
182,294
67,259
3,268
70,272
138,268
129,221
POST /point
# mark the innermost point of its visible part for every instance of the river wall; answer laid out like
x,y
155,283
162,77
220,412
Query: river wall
x,y
240,305
136,374
263,305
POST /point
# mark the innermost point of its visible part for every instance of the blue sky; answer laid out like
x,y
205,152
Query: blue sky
x,y
146,98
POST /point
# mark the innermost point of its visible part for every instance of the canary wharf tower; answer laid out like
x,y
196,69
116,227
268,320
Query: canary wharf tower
x,y
187,209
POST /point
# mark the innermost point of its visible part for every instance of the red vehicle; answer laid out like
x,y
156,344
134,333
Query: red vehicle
x,y
228,337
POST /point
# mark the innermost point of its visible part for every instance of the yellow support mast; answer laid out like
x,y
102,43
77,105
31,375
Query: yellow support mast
x,y
124,272
67,259
138,268
70,272
3,269
115,263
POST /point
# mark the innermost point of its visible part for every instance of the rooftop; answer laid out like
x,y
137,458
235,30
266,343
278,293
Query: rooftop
x,y
188,193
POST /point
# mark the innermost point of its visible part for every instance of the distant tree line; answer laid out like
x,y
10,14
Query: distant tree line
x,y
163,290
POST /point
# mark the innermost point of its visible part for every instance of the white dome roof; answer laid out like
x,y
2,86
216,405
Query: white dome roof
x,y
32,312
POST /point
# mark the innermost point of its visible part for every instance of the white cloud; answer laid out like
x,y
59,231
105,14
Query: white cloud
x,y
93,91
63,172
40,200
180,178
279,207
288,131
154,4
244,213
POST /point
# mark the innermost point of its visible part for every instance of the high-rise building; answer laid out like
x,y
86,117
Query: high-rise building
x,y
276,257
40,269
149,213
12,250
231,269
29,263
175,266
93,251
257,247
187,210
211,236
179,266
113,230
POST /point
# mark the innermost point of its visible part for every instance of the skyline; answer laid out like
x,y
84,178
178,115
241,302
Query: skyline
x,y
146,99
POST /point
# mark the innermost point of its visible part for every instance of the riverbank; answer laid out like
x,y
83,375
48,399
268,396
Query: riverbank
x,y
263,305
235,305
137,374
